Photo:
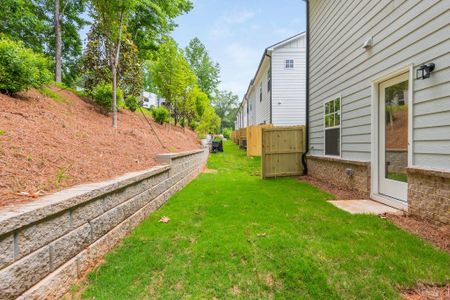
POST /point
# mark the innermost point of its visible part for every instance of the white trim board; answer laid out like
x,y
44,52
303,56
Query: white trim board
x,y
374,166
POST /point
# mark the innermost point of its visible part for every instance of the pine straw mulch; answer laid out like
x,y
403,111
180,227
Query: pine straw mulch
x,y
48,145
427,292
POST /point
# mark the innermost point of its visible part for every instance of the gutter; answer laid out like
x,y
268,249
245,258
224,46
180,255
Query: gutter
x,y
304,163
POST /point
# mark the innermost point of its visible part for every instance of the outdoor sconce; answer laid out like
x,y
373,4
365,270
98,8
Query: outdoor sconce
x,y
349,172
424,71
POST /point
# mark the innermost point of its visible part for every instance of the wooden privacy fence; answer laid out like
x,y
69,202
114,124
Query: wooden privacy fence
x,y
254,139
233,136
282,149
243,138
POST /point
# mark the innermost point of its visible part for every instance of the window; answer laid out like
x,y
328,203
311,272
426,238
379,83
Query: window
x,y
260,92
289,64
269,80
332,119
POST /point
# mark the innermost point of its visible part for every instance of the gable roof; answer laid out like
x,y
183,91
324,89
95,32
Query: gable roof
x,y
266,54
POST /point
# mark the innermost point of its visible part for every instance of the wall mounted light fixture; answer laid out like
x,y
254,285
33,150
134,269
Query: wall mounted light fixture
x,y
424,71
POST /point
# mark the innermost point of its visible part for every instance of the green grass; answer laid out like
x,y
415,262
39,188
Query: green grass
x,y
2,132
233,235
46,91
403,177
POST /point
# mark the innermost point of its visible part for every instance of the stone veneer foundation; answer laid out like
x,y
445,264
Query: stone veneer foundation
x,y
428,190
429,194
47,245
333,170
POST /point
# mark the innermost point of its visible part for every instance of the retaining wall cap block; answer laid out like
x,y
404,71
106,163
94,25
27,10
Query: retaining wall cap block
x,y
12,218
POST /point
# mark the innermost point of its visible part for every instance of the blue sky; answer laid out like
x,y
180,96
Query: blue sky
x,y
236,32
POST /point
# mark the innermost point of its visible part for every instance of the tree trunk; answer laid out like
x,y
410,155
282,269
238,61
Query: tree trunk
x,y
58,41
114,104
115,65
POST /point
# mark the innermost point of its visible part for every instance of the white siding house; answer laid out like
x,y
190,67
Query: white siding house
x,y
276,95
150,100
388,133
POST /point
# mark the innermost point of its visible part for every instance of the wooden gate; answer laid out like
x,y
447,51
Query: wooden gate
x,y
254,139
282,149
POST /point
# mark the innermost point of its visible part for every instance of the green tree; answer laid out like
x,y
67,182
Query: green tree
x,y
226,105
26,21
209,122
172,77
205,69
97,63
152,21
34,23
146,20
67,21
113,17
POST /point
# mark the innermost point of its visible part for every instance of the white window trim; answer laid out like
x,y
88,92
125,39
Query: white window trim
x,y
293,64
374,186
334,127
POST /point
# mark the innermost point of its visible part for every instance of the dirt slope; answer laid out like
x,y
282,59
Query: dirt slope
x,y
49,145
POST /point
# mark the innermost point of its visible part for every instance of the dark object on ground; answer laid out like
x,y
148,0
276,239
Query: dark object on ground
x,y
217,145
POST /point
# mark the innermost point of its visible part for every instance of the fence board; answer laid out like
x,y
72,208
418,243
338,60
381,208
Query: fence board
x,y
282,149
254,139
243,138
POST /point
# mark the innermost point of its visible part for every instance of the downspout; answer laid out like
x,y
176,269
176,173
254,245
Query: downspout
x,y
305,165
271,85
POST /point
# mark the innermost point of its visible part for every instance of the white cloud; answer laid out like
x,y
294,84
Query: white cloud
x,y
241,63
227,23
255,27
239,17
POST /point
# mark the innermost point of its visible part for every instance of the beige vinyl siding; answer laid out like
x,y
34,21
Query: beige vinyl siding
x,y
289,85
404,32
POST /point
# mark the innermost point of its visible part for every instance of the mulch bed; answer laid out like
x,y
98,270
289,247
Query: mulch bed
x,y
49,145
437,234
427,292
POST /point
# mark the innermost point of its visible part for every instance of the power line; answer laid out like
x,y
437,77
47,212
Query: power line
x,y
151,126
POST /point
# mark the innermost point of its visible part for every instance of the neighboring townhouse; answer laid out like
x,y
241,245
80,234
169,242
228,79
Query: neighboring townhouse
x,y
379,100
150,100
276,94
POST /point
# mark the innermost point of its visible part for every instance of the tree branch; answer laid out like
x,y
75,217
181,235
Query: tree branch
x,y
64,8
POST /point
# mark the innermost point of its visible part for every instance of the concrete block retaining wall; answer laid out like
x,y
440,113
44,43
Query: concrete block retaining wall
x,y
47,245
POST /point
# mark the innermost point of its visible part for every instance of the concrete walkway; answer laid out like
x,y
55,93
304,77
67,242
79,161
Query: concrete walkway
x,y
364,207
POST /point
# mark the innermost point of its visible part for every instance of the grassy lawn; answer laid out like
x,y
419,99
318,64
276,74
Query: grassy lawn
x,y
233,235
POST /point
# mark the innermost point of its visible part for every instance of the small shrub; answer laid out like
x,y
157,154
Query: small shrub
x,y
21,68
227,132
132,103
102,95
160,115
2,132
